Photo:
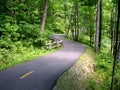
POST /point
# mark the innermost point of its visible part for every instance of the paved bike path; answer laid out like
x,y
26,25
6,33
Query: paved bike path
x,y
42,73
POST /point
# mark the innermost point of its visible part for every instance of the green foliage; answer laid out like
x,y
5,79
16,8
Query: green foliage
x,y
20,41
9,34
103,69
84,39
56,19
106,44
104,61
115,1
89,2
28,31
2,6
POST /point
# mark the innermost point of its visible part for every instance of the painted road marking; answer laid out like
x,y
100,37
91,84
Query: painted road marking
x,y
59,57
27,74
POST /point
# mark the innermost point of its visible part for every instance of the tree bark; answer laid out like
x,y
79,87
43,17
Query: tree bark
x,y
116,49
6,5
69,18
76,32
44,16
111,29
14,15
99,25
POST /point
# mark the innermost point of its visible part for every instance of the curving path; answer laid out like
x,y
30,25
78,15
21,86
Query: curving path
x,y
42,73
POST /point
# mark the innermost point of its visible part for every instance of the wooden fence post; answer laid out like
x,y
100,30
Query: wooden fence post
x,y
50,45
56,43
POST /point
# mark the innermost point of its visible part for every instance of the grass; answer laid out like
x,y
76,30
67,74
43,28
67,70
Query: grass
x,y
75,78
101,78
91,72
21,55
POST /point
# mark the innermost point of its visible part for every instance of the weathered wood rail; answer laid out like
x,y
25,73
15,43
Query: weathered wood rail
x,y
54,43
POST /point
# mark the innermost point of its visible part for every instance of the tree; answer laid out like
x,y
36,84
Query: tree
x,y
99,25
112,26
76,29
74,21
44,16
66,10
6,5
116,48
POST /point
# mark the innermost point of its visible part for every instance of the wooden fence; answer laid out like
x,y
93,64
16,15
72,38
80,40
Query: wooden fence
x,y
54,43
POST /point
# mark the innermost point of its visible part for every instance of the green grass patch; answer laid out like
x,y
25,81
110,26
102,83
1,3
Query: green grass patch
x,y
75,77
101,78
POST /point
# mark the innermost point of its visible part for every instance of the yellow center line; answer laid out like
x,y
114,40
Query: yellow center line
x,y
59,57
27,74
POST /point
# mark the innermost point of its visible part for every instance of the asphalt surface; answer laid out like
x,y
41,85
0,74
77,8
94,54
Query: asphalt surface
x,y
41,73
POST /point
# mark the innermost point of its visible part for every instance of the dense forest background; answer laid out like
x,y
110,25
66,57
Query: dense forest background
x,y
25,26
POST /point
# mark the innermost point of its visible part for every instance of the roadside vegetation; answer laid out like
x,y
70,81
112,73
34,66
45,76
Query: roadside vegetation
x,y
91,72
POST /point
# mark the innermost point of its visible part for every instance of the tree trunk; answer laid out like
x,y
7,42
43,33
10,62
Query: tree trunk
x,y
70,28
14,15
116,49
112,27
66,10
99,25
44,16
7,6
76,32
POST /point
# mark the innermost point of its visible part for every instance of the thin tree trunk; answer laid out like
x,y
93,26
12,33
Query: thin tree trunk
x,y
77,36
44,16
30,13
76,33
65,11
116,49
115,25
112,27
66,8
14,15
75,19
90,27
99,24
7,6
69,27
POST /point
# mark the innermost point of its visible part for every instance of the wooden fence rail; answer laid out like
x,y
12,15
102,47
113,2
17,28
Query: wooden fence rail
x,y
53,44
